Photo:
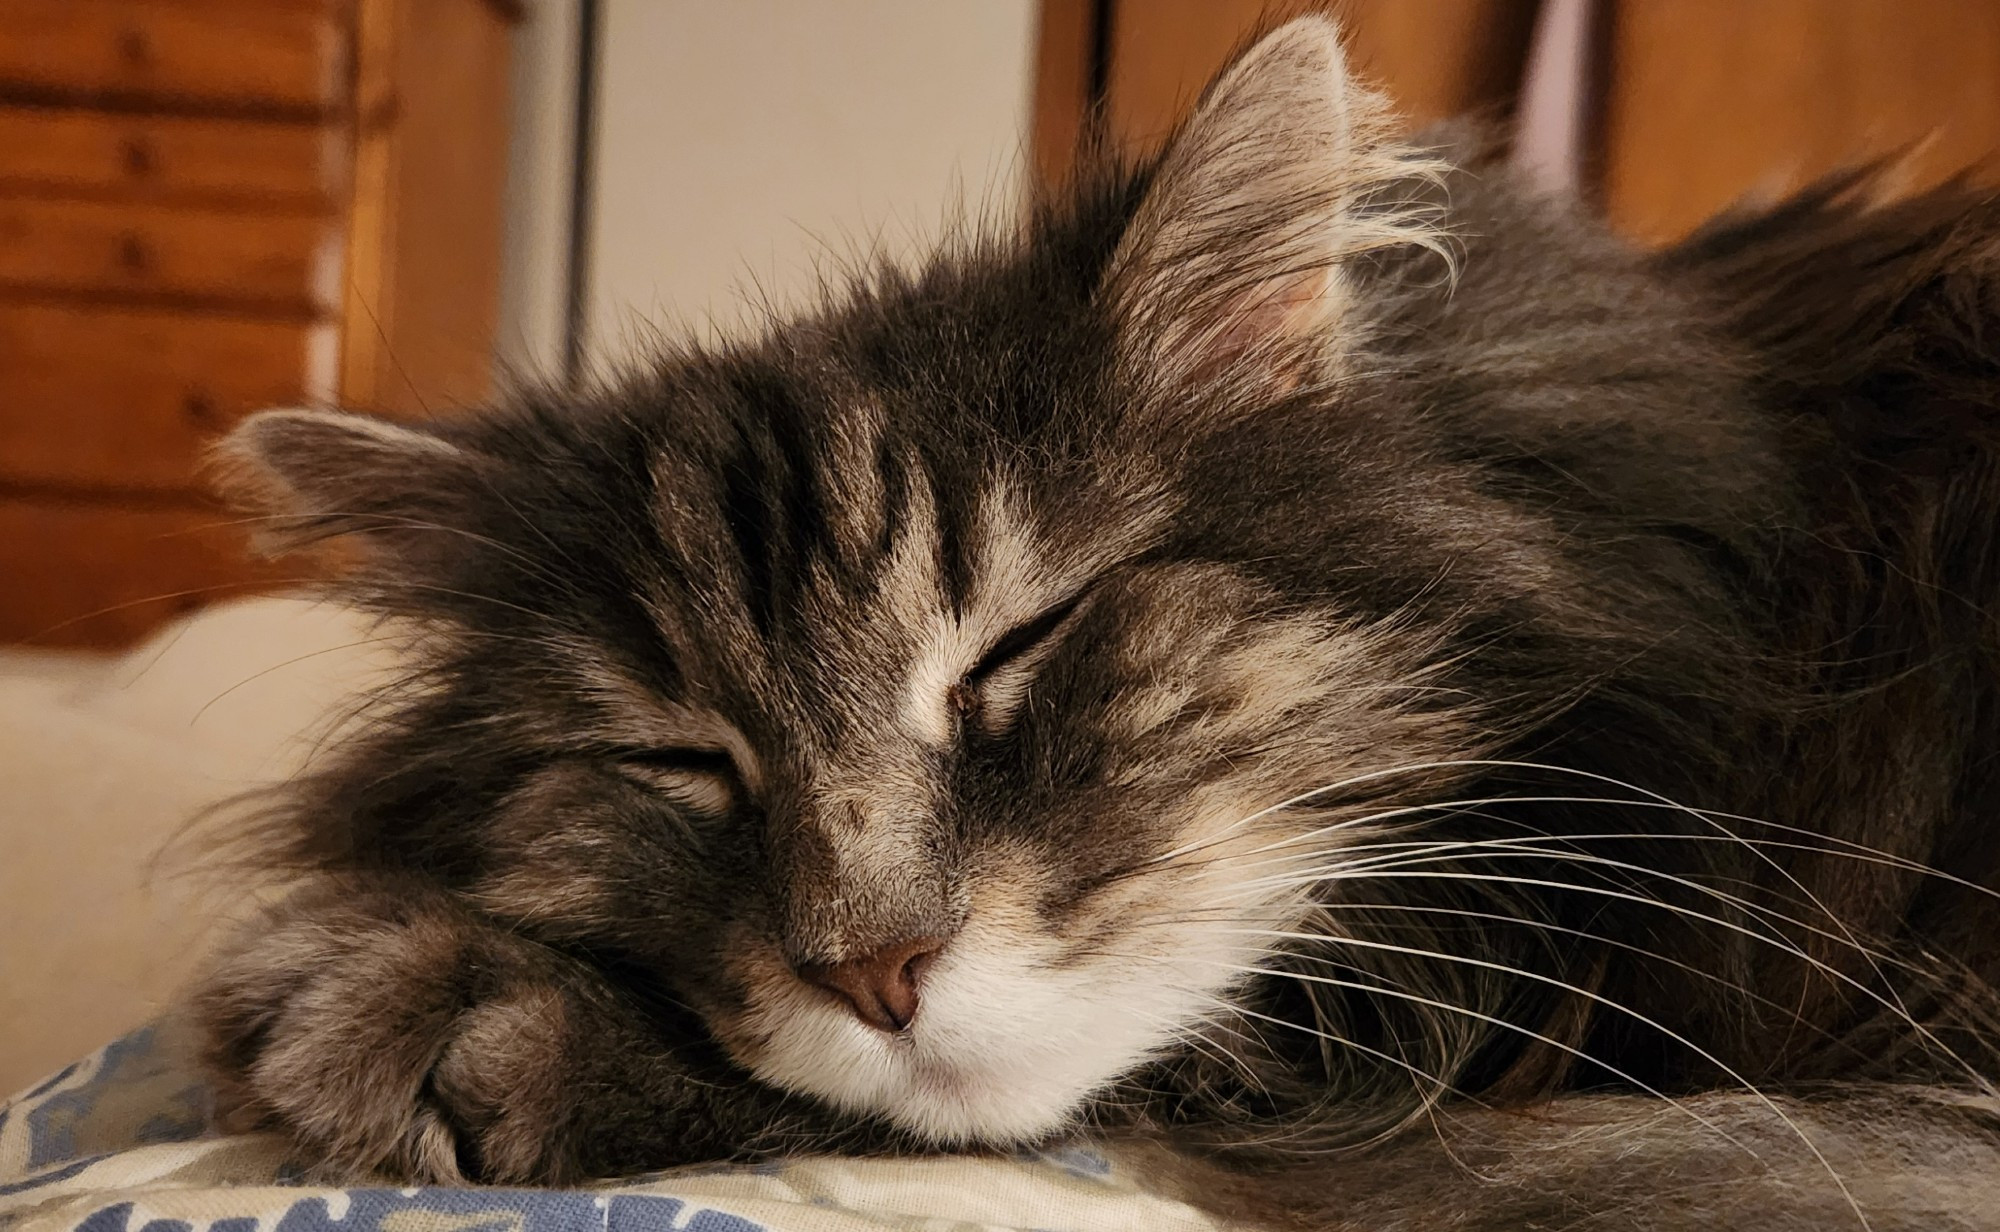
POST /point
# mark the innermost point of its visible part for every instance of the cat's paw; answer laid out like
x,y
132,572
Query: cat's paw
x,y
402,1037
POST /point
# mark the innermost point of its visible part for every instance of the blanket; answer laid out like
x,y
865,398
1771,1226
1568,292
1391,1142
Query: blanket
x,y
122,1142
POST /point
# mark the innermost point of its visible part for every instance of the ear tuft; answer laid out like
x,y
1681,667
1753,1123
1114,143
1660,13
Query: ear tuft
x,y
1286,172
320,474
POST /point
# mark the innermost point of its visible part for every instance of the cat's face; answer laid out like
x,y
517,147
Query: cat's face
x,y
911,695
1020,786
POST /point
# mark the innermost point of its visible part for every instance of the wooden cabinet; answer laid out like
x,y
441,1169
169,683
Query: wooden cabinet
x,y
208,207
1135,67
159,382
238,55
1707,101
1692,105
204,160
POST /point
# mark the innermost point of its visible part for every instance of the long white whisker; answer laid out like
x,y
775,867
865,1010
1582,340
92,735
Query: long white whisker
x,y
1510,848
1780,869
1756,846
1357,870
1654,800
1546,926
1840,847
1293,802
1189,1034
1776,941
1497,848
1762,1098
1491,1020
1438,1084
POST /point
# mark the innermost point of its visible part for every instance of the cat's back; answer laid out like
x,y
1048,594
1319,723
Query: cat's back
x,y
1873,329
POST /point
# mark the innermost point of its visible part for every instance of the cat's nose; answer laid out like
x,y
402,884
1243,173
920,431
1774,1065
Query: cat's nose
x,y
881,986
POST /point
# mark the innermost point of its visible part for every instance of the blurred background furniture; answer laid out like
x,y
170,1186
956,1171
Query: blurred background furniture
x,y
208,207
1686,106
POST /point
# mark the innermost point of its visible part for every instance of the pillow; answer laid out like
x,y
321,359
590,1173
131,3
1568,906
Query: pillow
x,y
103,760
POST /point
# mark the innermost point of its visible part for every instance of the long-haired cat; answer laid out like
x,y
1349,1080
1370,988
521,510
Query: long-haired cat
x,y
1307,657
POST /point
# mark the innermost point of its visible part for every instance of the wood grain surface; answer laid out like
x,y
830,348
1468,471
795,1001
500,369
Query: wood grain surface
x,y
266,55
180,159
113,398
1712,101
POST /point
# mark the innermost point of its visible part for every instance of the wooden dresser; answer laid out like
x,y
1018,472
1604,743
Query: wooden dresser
x,y
1692,105
208,207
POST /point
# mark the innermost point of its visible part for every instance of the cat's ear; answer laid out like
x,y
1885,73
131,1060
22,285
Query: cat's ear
x,y
1233,263
317,475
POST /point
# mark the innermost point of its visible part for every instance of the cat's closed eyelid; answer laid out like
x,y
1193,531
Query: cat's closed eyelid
x,y
704,780
1023,639
993,690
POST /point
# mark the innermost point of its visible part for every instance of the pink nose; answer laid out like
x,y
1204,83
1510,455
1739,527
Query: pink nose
x,y
882,986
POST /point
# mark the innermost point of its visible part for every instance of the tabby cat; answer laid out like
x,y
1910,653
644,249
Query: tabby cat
x,y
1304,656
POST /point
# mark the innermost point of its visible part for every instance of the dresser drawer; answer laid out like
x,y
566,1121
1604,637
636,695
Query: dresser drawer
x,y
247,54
85,574
171,158
124,399
282,262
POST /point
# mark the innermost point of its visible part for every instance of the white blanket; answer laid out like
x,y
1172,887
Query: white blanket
x,y
119,1143
103,761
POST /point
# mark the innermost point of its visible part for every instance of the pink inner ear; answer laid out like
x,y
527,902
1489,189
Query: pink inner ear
x,y
1259,322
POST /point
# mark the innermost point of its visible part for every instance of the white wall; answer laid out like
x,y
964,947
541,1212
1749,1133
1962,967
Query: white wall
x,y
738,139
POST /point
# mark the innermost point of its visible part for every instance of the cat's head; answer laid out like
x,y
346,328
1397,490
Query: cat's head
x,y
923,693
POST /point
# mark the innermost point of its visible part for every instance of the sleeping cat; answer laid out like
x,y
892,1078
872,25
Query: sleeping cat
x,y
1308,658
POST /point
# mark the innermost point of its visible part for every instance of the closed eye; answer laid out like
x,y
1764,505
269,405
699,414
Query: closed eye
x,y
1018,641
997,684
704,781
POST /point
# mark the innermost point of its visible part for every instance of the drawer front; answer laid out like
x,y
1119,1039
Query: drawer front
x,y
83,574
272,261
124,399
171,158
249,54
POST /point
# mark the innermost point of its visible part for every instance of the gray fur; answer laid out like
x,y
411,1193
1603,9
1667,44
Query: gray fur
x,y
1438,658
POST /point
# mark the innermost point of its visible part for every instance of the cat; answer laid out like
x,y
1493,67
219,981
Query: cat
x,y
1308,657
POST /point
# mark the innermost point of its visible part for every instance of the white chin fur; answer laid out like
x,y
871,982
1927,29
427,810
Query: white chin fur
x,y
1006,1047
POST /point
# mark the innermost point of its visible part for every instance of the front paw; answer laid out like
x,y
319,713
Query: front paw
x,y
397,1034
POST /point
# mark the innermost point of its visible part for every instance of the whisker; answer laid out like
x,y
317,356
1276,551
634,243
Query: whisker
x,y
224,589
1757,846
1591,860
1438,1086
1491,1020
1190,1036
1583,934
1835,847
291,662
1776,941
1447,849
382,519
1421,854
1654,800
1752,1089
1292,802
1425,853
1768,860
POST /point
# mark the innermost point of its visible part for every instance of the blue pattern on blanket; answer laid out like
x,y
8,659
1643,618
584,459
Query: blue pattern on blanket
x,y
123,1141
467,1210
53,1122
